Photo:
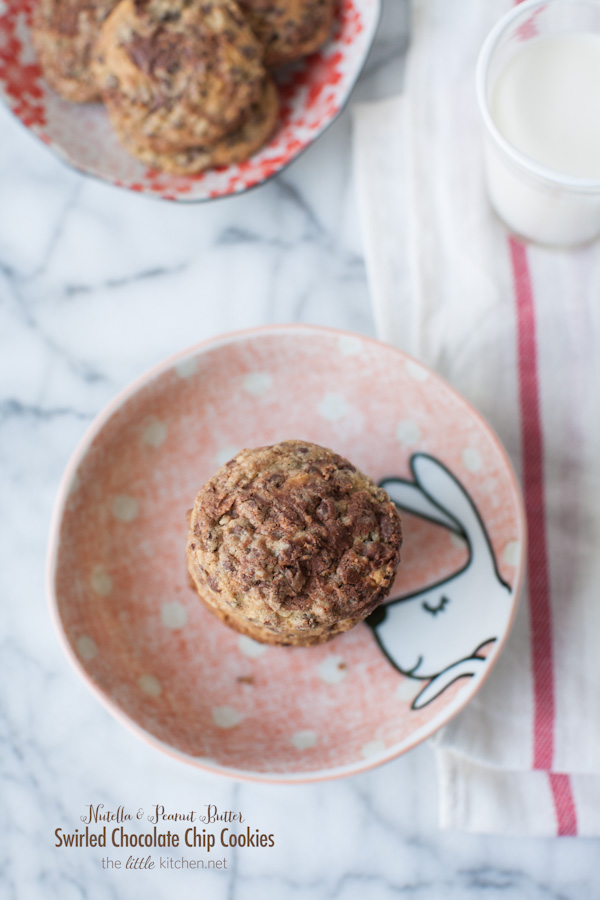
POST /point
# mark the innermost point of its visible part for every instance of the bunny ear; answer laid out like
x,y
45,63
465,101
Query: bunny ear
x,y
445,491
464,668
410,497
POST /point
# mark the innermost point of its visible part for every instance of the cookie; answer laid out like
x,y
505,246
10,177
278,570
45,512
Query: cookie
x,y
64,33
233,148
291,544
181,72
289,29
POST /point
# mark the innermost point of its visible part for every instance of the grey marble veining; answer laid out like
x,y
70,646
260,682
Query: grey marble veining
x,y
96,285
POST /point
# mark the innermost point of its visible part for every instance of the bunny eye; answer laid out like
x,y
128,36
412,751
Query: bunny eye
x,y
434,610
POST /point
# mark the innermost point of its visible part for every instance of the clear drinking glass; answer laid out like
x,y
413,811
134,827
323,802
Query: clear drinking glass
x,y
534,201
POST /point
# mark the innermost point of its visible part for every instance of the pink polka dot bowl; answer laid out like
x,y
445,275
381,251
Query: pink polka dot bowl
x,y
312,94
163,665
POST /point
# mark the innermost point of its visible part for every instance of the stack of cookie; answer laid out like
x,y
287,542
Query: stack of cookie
x,y
186,82
291,544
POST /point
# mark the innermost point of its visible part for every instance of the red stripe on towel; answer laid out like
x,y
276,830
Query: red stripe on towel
x,y
535,507
564,804
543,737
540,613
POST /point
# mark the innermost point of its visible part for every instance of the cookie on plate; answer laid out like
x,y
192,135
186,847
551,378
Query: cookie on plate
x,y
233,148
289,29
64,33
184,72
291,544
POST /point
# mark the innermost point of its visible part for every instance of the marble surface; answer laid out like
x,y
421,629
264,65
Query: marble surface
x,y
96,285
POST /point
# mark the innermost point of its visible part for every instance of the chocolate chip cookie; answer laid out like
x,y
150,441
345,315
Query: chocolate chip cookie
x,y
291,544
233,148
64,33
184,72
289,29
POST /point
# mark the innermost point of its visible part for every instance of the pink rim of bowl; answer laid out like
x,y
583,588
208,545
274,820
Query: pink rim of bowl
x,y
460,699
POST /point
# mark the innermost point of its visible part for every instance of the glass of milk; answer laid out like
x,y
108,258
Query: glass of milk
x,y
538,88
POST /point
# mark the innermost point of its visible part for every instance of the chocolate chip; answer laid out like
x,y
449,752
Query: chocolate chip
x,y
388,527
249,52
326,510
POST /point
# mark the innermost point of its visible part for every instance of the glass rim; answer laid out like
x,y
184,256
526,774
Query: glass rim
x,y
524,162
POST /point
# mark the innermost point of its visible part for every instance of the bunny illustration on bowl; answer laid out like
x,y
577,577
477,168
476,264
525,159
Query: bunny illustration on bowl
x,y
437,634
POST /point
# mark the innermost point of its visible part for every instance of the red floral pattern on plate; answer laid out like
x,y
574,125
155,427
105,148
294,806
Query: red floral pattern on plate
x,y
312,94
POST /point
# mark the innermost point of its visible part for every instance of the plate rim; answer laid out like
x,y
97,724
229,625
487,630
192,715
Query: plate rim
x,y
211,766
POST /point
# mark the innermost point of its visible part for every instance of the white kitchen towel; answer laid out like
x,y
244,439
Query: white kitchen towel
x,y
516,329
